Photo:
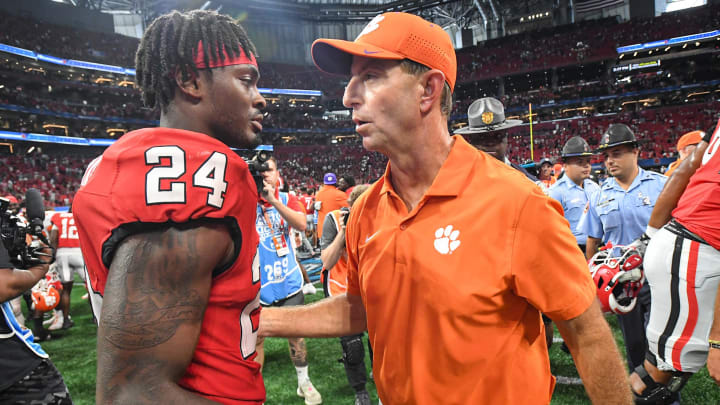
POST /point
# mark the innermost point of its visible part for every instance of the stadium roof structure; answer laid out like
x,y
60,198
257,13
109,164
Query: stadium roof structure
x,y
464,13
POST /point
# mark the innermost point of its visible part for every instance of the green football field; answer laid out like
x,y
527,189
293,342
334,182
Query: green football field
x,y
74,354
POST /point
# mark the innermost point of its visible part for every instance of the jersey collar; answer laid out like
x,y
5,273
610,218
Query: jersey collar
x,y
452,177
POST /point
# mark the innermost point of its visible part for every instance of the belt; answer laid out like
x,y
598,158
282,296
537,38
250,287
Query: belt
x,y
678,229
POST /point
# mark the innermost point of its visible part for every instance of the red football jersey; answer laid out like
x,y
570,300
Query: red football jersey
x,y
309,203
67,231
699,207
157,176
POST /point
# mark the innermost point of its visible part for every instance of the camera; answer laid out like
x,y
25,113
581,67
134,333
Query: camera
x,y
257,165
346,210
17,237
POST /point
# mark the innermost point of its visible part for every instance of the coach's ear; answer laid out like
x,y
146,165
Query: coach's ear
x,y
189,84
433,82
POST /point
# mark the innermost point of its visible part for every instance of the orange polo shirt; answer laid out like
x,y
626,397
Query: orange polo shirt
x,y
332,199
453,290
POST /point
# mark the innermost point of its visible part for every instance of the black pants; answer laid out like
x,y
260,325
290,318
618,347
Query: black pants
x,y
44,385
633,325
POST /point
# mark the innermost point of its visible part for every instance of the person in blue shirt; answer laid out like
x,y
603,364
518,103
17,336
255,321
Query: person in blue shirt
x,y
281,278
619,214
573,190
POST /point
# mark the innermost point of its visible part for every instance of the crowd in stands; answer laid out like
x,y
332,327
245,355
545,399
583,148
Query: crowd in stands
x,y
295,126
70,43
57,177
576,44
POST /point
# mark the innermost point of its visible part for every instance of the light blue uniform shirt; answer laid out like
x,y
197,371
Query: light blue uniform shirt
x,y
619,216
574,199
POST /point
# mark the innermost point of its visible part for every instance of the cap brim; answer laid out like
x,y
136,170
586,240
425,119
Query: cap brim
x,y
490,128
335,55
606,147
582,154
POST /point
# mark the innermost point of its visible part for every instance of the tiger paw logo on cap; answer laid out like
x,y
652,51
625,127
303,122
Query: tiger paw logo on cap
x,y
372,26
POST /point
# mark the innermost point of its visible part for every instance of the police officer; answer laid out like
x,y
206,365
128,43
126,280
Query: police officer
x,y
486,120
573,190
619,214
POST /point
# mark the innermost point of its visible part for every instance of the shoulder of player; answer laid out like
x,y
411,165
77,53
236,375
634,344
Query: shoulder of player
x,y
195,147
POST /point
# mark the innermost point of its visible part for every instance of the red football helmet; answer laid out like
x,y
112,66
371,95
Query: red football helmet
x,y
617,272
46,293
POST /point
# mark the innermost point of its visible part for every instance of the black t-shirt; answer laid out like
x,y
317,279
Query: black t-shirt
x,y
16,359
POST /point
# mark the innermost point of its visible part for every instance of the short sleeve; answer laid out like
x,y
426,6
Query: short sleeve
x,y
548,269
590,223
329,231
555,192
294,204
55,220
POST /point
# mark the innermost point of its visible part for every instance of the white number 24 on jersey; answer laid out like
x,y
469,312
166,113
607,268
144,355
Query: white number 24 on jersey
x,y
210,175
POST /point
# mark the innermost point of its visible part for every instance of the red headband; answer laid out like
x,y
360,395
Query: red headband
x,y
240,59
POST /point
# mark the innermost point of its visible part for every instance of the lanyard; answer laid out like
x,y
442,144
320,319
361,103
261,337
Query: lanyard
x,y
269,223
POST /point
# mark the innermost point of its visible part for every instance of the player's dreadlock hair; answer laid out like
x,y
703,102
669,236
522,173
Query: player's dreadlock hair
x,y
171,42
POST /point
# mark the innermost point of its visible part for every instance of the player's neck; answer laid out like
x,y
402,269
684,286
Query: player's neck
x,y
178,119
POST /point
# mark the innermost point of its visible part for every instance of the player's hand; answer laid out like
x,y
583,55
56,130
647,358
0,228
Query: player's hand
x,y
713,365
318,205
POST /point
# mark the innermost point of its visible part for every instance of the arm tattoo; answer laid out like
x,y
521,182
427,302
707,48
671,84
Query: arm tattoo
x,y
157,296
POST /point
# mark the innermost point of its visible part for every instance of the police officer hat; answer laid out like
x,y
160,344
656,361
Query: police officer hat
x,y
575,146
487,115
616,135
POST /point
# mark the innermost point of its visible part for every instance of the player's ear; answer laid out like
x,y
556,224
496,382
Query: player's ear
x,y
433,82
189,84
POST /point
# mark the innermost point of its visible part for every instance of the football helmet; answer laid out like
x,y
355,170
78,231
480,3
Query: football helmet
x,y
46,293
618,276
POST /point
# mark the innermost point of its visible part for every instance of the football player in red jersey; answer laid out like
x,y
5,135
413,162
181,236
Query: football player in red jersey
x,y
166,218
64,238
682,265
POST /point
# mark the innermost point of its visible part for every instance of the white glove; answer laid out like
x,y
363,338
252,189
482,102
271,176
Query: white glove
x,y
318,205
309,289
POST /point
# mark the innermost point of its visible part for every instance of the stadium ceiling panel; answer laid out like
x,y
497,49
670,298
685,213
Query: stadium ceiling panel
x,y
463,13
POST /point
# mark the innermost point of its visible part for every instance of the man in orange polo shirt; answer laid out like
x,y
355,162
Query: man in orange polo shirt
x,y
451,254
685,146
328,198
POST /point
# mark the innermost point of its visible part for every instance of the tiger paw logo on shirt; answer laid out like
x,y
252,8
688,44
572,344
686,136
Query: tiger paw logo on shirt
x,y
446,240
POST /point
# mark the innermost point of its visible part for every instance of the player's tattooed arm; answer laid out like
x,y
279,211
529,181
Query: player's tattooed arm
x,y
155,297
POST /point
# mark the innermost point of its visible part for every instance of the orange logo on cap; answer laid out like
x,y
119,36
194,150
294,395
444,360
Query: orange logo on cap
x,y
487,117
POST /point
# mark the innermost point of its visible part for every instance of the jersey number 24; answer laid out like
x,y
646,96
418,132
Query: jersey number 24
x,y
210,175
